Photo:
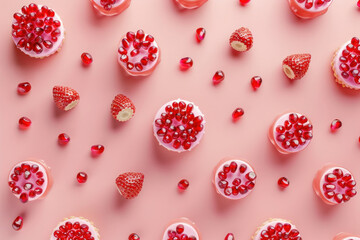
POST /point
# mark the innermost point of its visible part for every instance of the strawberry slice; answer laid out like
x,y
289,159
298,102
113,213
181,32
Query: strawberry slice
x,y
130,184
295,66
241,40
122,108
65,98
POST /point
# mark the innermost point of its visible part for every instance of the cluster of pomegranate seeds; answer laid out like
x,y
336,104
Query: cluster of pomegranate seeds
x,y
237,113
283,182
335,125
339,186
179,234
244,2
280,231
36,28
135,45
23,88
24,122
97,150
236,186
108,4
310,3
349,61
218,77
81,177
26,180
178,125
63,139
134,236
183,184
295,131
256,82
186,63
229,236
17,223
86,58
200,34
68,231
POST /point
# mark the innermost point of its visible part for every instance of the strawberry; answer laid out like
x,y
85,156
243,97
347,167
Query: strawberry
x,y
295,66
65,98
122,109
241,40
130,184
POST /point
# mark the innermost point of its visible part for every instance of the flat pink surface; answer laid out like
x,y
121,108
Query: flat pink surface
x,y
131,146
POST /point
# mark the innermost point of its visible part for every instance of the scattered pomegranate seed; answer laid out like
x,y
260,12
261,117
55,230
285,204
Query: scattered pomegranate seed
x,y
81,177
200,34
24,88
244,2
134,236
63,139
229,236
97,149
218,77
336,124
186,63
86,58
183,184
17,223
238,112
24,122
256,82
283,182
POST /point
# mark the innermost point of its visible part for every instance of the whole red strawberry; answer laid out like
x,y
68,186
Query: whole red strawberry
x,y
295,66
65,98
241,40
122,108
130,184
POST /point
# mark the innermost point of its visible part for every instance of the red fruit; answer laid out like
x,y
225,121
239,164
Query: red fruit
x,y
277,229
65,98
181,229
256,82
186,63
130,184
229,236
17,223
283,182
358,3
24,88
244,2
200,34
218,77
63,139
97,149
134,236
86,58
81,177
24,122
241,40
122,108
183,184
75,228
335,125
238,112
295,66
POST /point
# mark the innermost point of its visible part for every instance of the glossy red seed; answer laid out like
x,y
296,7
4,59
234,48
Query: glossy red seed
x,y
23,198
283,182
183,184
134,236
23,88
81,177
237,113
200,34
256,82
358,4
97,149
244,2
218,77
17,223
86,58
63,139
24,122
336,124
229,236
186,63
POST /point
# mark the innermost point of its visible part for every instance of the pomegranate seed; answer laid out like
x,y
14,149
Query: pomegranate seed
x,y
244,2
63,139
256,82
186,63
218,77
97,149
17,223
336,124
358,4
23,88
283,182
81,177
24,197
229,236
237,113
134,236
86,58
200,34
24,122
183,184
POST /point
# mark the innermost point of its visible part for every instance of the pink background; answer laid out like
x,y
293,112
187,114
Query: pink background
x,y
131,147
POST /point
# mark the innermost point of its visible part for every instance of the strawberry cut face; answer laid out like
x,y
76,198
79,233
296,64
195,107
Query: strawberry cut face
x,y
122,108
241,40
295,66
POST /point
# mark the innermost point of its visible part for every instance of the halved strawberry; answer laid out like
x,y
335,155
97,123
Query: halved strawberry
x,y
241,40
130,184
122,109
295,66
65,98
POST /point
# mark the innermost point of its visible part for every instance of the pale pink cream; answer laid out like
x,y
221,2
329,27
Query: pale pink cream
x,y
189,228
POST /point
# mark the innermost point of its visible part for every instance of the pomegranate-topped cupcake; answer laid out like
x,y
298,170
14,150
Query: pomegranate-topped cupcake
x,y
190,4
291,132
181,228
309,8
179,125
37,31
30,180
334,184
275,227
75,228
346,64
233,178
346,236
110,7
138,54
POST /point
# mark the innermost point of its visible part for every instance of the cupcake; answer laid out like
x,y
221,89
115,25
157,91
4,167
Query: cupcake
x,y
190,4
181,228
75,228
110,7
275,228
308,9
